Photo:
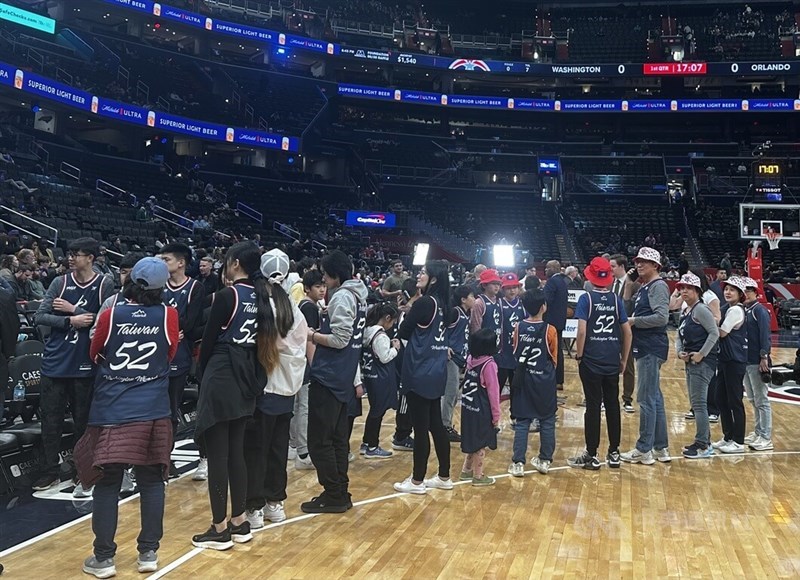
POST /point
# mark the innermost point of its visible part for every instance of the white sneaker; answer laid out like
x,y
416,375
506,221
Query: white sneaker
x,y
720,444
408,486
517,469
541,465
274,513
292,453
303,464
761,444
351,457
750,438
82,493
437,482
255,518
128,484
201,473
732,447
636,456
662,455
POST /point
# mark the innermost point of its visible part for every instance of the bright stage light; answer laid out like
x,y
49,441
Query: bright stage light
x,y
420,254
503,256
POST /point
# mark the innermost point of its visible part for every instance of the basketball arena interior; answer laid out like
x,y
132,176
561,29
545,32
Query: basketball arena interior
x,y
535,147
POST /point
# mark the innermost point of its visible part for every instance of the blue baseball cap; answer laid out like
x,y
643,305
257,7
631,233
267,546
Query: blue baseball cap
x,y
150,273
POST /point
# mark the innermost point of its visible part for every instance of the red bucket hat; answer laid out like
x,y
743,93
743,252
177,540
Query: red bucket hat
x,y
489,277
598,272
510,280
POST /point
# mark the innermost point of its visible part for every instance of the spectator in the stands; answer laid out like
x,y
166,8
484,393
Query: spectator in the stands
x,y
46,272
20,284
573,280
100,264
8,265
393,285
725,264
141,214
41,250
207,277
162,240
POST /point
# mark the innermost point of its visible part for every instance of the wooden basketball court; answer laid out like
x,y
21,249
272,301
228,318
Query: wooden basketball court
x,y
729,516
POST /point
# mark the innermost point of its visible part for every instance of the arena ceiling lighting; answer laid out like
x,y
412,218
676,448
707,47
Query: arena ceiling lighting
x,y
503,256
420,254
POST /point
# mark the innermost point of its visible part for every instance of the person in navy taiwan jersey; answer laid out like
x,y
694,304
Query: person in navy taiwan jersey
x,y
129,420
733,347
233,366
187,297
480,407
602,347
424,375
334,376
649,349
457,337
533,392
487,312
378,374
512,313
69,309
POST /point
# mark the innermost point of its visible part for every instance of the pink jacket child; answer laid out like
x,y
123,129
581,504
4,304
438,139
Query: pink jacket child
x,y
480,414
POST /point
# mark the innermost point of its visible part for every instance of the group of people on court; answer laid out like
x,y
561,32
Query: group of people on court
x,y
277,373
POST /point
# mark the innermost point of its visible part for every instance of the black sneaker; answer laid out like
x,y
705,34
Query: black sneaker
x,y
324,505
585,461
241,533
173,470
406,444
453,435
45,482
612,459
689,415
213,539
349,501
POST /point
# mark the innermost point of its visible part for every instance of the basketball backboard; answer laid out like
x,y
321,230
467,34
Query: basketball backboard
x,y
762,221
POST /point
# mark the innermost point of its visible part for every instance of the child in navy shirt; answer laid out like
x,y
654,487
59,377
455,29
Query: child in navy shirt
x,y
480,406
533,392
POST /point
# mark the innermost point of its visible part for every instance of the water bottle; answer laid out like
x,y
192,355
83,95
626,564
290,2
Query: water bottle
x,y
19,391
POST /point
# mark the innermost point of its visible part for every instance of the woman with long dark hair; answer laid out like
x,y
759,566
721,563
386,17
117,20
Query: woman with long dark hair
x,y
234,356
266,448
129,418
424,375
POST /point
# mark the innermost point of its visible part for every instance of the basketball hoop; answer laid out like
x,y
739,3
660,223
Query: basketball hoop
x,y
773,239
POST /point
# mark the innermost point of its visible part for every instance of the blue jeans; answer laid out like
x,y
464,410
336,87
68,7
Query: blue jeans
x,y
698,378
757,395
547,438
652,419
105,508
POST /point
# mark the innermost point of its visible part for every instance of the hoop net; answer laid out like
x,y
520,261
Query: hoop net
x,y
773,239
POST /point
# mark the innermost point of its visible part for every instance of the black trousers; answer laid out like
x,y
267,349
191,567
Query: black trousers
x,y
600,389
560,361
56,395
372,430
426,417
177,384
504,375
224,443
266,448
730,391
628,381
328,441
403,425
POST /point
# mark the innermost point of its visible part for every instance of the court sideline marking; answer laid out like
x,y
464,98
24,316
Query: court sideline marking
x,y
196,551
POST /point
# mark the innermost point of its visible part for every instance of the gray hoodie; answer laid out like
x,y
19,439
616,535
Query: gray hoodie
x,y
342,311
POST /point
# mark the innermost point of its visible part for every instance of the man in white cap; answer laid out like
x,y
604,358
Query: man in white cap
x,y
759,345
649,349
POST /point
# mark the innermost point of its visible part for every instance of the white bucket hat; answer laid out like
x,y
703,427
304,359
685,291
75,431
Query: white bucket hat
x,y
690,279
650,255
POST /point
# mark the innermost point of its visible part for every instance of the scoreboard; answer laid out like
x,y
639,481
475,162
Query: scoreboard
x,y
768,176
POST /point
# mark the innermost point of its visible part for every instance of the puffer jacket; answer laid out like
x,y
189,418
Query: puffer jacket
x,y
141,443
